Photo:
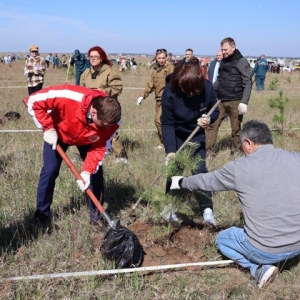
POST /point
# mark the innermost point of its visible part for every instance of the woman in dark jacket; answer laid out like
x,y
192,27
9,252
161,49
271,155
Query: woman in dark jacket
x,y
185,100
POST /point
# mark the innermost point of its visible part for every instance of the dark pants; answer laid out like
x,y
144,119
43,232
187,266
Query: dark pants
x,y
49,173
77,77
200,150
227,108
33,89
260,83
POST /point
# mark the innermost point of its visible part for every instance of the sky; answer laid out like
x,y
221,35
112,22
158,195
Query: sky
x,y
269,27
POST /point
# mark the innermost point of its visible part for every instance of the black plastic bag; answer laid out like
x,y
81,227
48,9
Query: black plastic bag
x,y
122,245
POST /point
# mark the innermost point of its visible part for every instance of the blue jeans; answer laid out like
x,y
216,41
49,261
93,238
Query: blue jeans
x,y
49,173
233,243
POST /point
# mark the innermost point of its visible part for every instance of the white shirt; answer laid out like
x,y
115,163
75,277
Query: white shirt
x,y
216,71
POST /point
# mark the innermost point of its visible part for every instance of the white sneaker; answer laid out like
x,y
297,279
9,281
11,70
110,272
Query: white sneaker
x,y
208,217
121,160
265,274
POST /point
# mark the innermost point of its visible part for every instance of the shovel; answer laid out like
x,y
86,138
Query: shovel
x,y
120,244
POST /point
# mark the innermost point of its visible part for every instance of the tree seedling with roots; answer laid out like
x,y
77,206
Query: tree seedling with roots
x,y
279,103
182,201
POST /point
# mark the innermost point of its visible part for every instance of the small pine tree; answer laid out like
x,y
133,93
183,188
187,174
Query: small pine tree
x,y
273,86
280,103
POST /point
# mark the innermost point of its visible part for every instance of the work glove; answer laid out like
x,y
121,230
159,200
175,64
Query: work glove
x,y
50,137
242,108
139,101
204,121
175,185
170,156
85,183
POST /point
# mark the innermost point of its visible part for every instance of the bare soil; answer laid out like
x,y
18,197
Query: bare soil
x,y
175,245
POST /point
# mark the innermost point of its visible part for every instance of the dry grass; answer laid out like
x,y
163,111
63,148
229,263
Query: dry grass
x,y
73,245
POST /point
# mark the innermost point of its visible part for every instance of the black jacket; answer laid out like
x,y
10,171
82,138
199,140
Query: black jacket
x,y
234,81
180,113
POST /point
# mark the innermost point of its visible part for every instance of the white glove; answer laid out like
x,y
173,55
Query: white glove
x,y
85,183
204,121
50,137
170,156
242,108
175,182
139,101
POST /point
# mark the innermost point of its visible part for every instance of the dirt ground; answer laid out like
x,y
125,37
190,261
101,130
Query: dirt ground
x,y
173,246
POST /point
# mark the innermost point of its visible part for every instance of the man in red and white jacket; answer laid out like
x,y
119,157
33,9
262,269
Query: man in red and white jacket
x,y
73,115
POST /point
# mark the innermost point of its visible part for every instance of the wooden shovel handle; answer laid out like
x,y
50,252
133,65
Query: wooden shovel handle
x,y
78,177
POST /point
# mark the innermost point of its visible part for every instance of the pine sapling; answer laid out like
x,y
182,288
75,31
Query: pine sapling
x,y
279,103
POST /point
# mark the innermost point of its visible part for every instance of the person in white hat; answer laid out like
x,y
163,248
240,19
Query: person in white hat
x,y
35,68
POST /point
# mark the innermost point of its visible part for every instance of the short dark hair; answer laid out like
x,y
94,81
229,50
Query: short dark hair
x,y
188,78
228,40
189,49
257,132
108,109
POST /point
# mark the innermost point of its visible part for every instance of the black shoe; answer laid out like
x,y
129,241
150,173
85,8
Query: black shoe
x,y
43,222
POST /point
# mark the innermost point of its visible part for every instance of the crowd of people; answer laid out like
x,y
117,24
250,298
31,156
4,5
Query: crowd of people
x,y
184,93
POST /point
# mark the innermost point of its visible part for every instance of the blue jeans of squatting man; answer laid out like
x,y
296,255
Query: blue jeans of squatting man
x,y
234,244
49,173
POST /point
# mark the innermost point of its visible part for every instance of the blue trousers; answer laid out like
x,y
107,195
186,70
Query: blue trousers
x,y
260,83
233,243
49,173
77,77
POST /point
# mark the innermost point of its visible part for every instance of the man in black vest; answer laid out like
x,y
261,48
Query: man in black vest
x,y
233,87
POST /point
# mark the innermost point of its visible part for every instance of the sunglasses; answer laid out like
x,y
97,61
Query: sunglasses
x,y
34,51
161,50
94,57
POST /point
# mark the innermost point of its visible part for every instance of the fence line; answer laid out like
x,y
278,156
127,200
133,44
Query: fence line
x,y
25,87
142,88
125,130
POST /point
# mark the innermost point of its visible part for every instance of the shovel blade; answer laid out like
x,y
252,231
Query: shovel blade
x,y
122,246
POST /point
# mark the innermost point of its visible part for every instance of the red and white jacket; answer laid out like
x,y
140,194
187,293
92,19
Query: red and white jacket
x,y
65,107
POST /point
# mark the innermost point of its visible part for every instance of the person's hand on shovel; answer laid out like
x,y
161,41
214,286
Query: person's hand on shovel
x,y
50,137
170,156
204,121
85,183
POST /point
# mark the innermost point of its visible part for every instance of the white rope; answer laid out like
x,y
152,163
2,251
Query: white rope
x,y
37,130
23,87
25,130
124,130
120,271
